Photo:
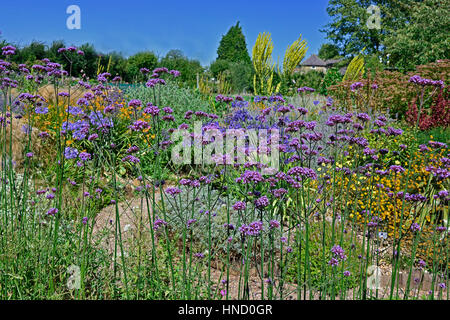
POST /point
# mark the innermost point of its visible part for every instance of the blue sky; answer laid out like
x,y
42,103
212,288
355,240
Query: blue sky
x,y
195,26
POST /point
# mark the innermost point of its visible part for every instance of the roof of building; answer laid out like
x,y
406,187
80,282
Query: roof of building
x,y
314,60
332,61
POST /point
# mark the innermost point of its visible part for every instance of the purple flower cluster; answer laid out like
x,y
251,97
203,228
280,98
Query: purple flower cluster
x,y
252,229
416,79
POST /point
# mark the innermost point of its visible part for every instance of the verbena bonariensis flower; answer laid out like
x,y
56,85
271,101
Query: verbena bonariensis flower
x,y
185,182
336,119
168,110
355,86
338,252
133,149
8,50
301,171
239,206
84,156
175,73
416,79
158,223
151,109
363,117
415,227
252,229
305,89
250,176
278,193
274,224
52,211
161,70
262,202
139,125
135,103
153,82
131,159
41,110
396,168
173,191
190,222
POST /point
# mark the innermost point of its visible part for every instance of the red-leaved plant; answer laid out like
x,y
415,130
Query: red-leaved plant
x,y
437,115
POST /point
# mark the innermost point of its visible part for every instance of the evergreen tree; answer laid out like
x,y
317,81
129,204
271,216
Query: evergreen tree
x,y
232,47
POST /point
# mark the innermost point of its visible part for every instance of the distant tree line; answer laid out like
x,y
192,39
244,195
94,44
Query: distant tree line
x,y
93,61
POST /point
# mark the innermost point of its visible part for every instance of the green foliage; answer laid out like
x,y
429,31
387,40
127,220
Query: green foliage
x,y
319,253
233,62
241,74
140,60
436,134
412,32
332,77
348,29
233,47
372,64
312,79
176,60
238,74
29,54
328,51
218,67
424,39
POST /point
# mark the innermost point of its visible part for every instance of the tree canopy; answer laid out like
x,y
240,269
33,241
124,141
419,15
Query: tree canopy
x,y
412,31
233,47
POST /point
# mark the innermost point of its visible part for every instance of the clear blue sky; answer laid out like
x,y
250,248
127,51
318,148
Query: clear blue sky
x,y
195,26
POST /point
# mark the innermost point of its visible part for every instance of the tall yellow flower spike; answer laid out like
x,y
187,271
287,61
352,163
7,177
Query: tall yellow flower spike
x,y
263,64
293,56
355,68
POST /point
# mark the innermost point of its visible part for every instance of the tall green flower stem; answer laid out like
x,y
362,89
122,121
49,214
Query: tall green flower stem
x,y
410,163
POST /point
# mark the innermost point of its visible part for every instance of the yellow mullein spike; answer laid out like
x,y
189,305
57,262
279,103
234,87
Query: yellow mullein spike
x,y
355,69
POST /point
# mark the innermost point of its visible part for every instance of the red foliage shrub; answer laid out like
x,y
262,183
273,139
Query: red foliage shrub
x,y
394,92
438,115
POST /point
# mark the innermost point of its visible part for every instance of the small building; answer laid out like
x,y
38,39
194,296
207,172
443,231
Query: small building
x,y
315,63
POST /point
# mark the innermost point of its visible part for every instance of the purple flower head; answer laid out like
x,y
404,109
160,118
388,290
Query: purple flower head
x,y
355,86
70,153
52,211
305,89
151,109
168,110
84,156
333,262
175,73
239,206
418,80
135,103
131,159
158,223
191,222
415,227
252,229
173,191
274,224
262,202
338,252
